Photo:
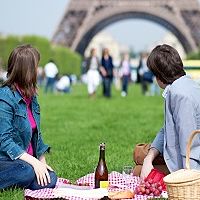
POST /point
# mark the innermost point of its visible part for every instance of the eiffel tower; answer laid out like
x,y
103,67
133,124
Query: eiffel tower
x,y
83,19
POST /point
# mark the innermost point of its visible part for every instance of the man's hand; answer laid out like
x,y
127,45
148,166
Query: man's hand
x,y
148,162
146,168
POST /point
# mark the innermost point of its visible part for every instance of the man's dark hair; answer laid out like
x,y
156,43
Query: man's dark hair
x,y
165,63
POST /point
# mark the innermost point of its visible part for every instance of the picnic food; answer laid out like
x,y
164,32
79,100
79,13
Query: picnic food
x,y
149,188
152,185
101,173
83,184
126,194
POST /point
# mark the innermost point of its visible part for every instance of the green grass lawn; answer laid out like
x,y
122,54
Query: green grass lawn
x,y
74,125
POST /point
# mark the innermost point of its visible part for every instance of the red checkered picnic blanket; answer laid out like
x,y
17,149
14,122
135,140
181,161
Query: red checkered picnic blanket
x,y
117,182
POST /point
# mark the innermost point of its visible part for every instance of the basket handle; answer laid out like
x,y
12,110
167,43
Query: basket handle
x,y
195,132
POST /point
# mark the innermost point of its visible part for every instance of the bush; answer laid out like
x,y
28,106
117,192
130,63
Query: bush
x,y
42,44
194,55
68,62
6,46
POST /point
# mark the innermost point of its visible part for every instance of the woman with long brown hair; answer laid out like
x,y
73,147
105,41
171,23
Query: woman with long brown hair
x,y
22,160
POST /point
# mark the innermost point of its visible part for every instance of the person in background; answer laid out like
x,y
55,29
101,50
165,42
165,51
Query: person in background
x,y
40,76
125,72
63,84
182,112
51,72
22,151
154,88
146,76
106,71
93,77
3,75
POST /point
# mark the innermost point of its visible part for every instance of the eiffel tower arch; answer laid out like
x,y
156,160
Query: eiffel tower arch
x,y
83,19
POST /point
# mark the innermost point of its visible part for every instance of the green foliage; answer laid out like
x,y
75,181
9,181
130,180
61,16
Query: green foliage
x,y
6,46
71,61
74,125
42,44
67,61
194,55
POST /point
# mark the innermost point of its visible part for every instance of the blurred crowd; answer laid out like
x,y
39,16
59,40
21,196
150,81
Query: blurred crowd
x,y
98,71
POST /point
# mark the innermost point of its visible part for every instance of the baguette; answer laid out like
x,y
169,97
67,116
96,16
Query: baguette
x,y
126,194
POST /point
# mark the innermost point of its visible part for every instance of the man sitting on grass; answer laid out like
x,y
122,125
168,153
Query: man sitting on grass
x,y
182,112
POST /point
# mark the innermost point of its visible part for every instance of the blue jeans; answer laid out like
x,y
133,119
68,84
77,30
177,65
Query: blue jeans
x,y
125,80
107,82
50,85
18,173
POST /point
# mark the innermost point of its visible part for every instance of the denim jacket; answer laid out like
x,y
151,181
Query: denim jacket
x,y
15,129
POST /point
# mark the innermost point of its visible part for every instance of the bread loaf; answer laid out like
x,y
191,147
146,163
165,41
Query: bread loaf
x,y
126,194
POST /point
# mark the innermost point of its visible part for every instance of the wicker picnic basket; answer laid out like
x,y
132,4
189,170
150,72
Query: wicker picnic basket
x,y
184,184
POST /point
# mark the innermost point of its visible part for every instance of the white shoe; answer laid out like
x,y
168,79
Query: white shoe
x,y
123,94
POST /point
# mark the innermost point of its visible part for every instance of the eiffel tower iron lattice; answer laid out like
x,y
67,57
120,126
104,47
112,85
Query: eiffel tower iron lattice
x,y
83,19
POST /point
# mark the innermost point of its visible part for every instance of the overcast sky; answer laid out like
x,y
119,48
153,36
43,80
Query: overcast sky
x,y
41,17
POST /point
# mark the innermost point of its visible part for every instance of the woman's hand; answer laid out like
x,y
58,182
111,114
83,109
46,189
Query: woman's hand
x,y
41,171
43,160
40,168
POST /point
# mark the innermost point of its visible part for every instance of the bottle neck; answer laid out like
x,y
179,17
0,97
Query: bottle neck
x,y
102,155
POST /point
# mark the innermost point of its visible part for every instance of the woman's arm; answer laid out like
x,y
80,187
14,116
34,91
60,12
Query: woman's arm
x,y
13,150
8,145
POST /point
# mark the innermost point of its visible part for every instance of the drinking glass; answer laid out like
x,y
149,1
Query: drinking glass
x,y
127,172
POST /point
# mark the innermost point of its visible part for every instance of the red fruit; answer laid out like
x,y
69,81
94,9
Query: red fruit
x,y
147,185
159,184
157,192
152,189
66,182
137,190
155,185
150,181
142,189
140,193
147,191
160,188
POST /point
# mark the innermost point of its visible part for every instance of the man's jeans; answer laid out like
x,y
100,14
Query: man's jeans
x,y
21,174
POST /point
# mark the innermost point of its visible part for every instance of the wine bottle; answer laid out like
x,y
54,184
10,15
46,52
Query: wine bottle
x,y
101,173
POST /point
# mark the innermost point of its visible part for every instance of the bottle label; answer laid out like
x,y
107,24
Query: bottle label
x,y
104,184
